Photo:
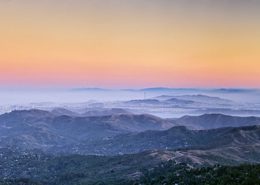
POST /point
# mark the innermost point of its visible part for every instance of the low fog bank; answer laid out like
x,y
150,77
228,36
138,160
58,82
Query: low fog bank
x,y
239,102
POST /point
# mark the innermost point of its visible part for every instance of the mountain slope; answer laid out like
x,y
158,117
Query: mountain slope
x,y
120,133
174,138
210,121
196,98
41,129
89,170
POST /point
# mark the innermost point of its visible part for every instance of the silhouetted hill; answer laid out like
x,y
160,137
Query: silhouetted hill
x,y
143,101
105,112
199,98
210,121
44,130
178,101
174,138
61,112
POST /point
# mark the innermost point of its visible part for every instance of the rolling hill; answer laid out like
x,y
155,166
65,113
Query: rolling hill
x,y
211,121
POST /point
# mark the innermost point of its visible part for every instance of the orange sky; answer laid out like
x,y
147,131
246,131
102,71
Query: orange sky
x,y
130,43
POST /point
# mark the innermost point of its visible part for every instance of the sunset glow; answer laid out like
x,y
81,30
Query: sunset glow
x,y
131,43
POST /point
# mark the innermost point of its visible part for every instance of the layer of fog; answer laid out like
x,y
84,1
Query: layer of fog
x,y
77,99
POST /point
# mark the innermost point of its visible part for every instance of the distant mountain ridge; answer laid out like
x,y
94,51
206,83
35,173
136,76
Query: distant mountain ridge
x,y
90,112
210,121
58,147
42,129
119,133
200,98
175,138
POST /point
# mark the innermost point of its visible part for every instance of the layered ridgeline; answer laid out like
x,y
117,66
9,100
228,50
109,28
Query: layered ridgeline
x,y
119,133
211,121
183,100
195,104
41,147
174,138
36,129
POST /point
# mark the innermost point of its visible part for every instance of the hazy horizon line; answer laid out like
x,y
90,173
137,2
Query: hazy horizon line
x,y
75,88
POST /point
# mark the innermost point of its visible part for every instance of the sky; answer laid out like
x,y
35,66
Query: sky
x,y
130,43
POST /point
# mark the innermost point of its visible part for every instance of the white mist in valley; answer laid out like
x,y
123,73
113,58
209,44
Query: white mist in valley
x,y
243,102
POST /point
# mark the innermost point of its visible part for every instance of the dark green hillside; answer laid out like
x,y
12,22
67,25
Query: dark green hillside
x,y
170,173
150,167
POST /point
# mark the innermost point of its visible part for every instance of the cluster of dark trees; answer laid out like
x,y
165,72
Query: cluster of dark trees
x,y
181,174
168,173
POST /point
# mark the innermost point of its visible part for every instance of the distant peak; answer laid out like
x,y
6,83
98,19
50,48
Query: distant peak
x,y
30,112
